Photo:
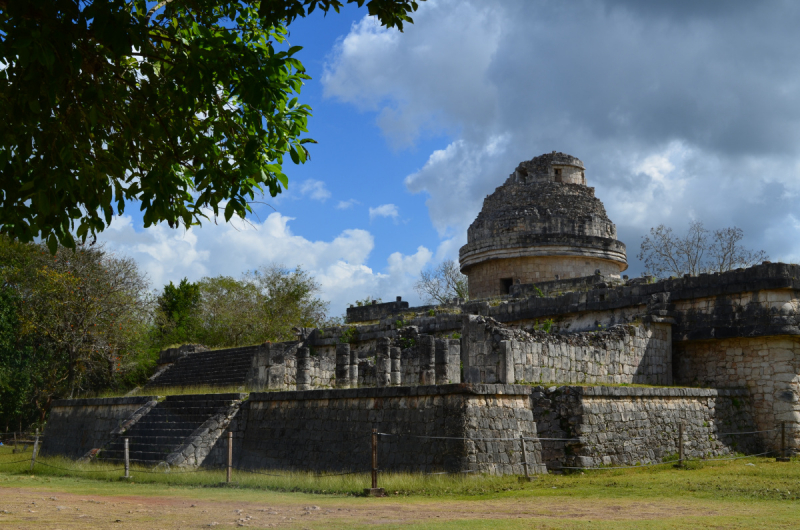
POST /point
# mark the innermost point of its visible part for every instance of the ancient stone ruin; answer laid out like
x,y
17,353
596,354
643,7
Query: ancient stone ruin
x,y
547,350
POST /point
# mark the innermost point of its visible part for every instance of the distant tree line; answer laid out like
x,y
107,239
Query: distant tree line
x,y
262,305
84,321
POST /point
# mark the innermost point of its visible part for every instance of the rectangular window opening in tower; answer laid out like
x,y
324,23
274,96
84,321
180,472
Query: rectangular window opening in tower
x,y
505,285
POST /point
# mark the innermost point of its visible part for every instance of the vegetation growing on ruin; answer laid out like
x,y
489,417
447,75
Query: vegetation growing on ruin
x,y
349,335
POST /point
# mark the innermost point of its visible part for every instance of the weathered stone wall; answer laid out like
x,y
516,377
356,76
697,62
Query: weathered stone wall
x,y
565,285
623,354
375,311
769,367
617,426
485,277
761,300
313,364
76,426
330,430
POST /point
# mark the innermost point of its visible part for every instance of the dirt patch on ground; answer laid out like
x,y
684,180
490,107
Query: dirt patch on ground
x,y
29,508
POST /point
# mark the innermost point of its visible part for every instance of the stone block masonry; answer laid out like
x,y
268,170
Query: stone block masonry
x,y
330,430
621,355
769,367
454,428
77,426
617,426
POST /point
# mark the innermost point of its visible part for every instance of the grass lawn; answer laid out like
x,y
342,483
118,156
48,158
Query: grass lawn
x,y
708,494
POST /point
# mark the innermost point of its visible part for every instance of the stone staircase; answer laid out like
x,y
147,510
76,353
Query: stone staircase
x,y
208,368
166,427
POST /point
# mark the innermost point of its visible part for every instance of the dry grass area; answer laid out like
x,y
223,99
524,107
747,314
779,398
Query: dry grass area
x,y
53,503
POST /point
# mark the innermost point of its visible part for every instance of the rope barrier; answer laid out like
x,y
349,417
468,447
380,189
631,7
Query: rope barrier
x,y
81,470
745,432
465,438
162,467
542,439
15,462
669,462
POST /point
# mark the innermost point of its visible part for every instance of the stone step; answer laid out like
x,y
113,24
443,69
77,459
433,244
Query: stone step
x,y
167,426
214,368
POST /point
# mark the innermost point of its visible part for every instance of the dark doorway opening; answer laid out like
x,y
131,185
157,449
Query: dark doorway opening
x,y
505,285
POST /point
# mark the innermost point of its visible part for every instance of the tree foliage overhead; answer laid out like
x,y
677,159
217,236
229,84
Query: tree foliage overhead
x,y
698,251
442,284
183,106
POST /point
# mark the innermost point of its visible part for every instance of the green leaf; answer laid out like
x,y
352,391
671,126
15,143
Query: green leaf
x,y
52,243
229,210
209,105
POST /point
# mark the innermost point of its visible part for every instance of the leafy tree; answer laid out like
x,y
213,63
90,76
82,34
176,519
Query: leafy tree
x,y
229,312
84,311
288,300
183,107
178,308
699,251
264,305
442,284
15,369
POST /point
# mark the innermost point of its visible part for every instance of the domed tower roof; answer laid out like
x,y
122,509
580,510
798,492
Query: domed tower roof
x,y
545,210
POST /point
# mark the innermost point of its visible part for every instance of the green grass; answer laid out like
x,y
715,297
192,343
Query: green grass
x,y
163,391
707,494
709,479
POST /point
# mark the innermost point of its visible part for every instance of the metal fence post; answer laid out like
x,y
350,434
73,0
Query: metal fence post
x,y
782,457
680,445
374,491
127,460
230,455
527,477
35,448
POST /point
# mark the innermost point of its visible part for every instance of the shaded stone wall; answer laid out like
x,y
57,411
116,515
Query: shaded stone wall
x,y
76,426
330,430
769,367
484,278
613,426
426,428
375,311
624,354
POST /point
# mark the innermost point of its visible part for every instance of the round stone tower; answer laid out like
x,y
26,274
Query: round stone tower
x,y
542,224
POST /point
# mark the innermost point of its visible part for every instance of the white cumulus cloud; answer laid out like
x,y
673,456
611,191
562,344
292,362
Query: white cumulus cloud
x,y
339,265
681,110
315,189
344,205
384,210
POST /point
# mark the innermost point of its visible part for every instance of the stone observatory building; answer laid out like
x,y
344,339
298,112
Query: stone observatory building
x,y
544,223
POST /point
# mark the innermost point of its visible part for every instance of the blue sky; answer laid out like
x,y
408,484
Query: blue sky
x,y
679,111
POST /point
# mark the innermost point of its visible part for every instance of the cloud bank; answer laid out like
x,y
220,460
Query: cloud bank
x,y
231,249
680,110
